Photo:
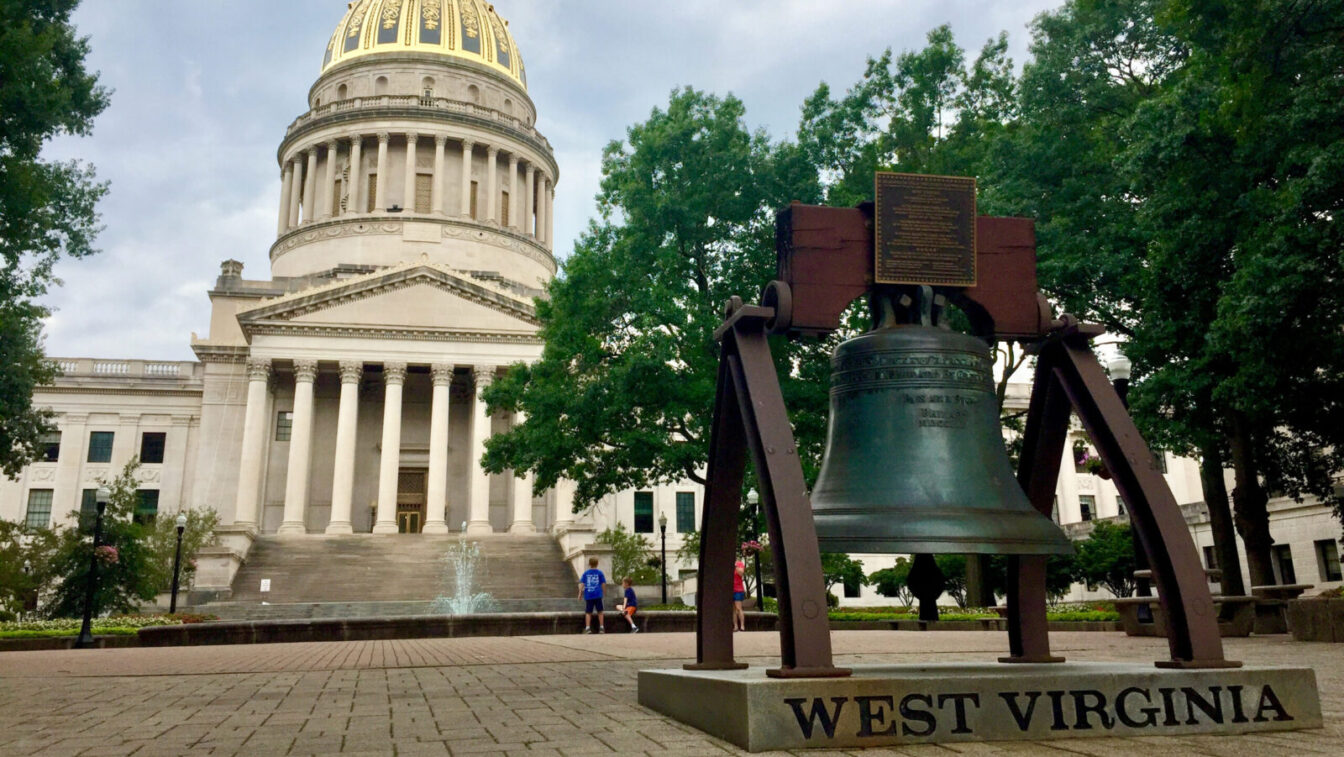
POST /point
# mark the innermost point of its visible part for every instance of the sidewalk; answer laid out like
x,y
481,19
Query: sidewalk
x,y
552,695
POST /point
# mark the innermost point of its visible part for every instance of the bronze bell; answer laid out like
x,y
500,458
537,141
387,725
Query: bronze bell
x,y
915,461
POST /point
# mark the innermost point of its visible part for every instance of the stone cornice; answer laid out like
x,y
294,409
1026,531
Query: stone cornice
x,y
382,60
220,353
282,328
365,224
175,391
281,309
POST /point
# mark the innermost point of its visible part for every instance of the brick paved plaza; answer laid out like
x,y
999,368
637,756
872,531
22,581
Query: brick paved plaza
x,y
552,695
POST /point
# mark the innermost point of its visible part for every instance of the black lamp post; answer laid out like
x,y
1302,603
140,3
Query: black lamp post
x,y
662,566
177,560
754,500
85,640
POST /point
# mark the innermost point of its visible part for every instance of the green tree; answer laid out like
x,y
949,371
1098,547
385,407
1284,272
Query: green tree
x,y
892,582
162,543
630,555
25,554
47,208
124,583
619,397
954,575
1106,558
838,568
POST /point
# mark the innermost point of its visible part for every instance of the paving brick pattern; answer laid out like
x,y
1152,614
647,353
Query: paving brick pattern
x,y
509,696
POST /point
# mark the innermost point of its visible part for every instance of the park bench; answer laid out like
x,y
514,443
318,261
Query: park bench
x,y
1271,603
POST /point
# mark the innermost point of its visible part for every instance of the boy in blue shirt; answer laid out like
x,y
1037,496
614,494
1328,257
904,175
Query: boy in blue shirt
x,y
590,590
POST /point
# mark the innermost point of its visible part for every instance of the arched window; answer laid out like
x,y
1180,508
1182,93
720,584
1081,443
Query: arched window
x,y
427,87
508,106
474,94
317,102
342,92
380,85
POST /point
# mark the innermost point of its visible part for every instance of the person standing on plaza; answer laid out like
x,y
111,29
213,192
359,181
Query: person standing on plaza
x,y
739,596
629,604
590,590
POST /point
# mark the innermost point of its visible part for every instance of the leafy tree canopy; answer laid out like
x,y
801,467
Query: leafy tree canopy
x,y
1106,558
47,208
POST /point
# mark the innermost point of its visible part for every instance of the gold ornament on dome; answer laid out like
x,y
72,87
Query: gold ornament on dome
x,y
432,12
357,18
391,13
470,23
501,37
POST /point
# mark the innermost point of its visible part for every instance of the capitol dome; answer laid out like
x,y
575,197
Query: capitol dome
x,y
464,29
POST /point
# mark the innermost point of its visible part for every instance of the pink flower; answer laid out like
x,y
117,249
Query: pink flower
x,y
751,547
106,554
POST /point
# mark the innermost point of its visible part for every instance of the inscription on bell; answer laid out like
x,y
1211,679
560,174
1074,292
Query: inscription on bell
x,y
924,230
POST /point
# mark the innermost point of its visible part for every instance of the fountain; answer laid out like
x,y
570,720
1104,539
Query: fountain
x,y
460,573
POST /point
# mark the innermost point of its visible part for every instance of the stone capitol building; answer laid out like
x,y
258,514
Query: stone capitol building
x,y
340,395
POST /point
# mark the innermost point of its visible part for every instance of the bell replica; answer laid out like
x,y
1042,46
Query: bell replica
x,y
915,462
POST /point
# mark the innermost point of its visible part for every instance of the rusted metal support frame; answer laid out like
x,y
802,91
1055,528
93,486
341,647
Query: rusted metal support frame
x,y
750,414
1192,624
1043,442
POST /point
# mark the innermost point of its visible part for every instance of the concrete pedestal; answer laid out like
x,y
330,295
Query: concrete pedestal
x,y
944,702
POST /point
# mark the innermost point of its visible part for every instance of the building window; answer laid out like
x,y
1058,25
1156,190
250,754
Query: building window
x,y
88,509
475,186
146,506
151,447
380,85
504,209
371,189
685,512
342,92
643,512
100,446
51,447
39,509
1087,506
284,425
1327,559
1283,555
1210,558
424,192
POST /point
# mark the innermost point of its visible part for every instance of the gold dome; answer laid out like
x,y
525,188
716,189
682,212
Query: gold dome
x,y
467,29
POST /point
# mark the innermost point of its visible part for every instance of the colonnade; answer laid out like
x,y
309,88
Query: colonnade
x,y
256,424
305,199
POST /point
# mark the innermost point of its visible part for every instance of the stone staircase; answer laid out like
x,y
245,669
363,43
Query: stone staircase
x,y
367,575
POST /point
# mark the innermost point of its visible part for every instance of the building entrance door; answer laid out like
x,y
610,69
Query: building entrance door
x,y
410,500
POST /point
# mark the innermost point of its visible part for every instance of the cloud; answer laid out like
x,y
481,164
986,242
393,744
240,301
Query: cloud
x,y
204,92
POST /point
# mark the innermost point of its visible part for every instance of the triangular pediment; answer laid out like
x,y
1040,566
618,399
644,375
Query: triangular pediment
x,y
425,299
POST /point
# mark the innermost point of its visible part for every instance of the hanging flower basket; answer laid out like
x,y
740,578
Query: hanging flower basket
x,y
1096,466
106,555
750,548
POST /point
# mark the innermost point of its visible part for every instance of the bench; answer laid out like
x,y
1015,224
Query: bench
x,y
1236,615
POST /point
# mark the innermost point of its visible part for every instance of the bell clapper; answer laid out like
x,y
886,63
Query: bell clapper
x,y
927,583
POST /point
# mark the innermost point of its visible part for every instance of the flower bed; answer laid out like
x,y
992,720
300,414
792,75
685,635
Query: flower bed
x,y
116,625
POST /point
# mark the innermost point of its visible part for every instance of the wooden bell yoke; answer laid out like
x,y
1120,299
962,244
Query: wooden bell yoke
x,y
826,262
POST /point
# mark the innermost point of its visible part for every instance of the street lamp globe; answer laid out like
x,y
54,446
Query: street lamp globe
x,y
181,521
753,497
662,521
1120,367
102,495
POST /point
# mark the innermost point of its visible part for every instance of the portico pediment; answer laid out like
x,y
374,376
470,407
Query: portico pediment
x,y
421,299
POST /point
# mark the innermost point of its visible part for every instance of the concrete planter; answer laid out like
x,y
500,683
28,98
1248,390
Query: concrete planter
x,y
1316,619
47,643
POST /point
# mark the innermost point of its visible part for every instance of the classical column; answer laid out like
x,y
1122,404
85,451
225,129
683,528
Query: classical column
x,y
389,465
356,189
529,201
380,186
522,496
310,187
491,180
347,420
300,446
564,506
437,490
255,425
466,177
542,210
478,521
295,189
286,176
515,202
329,184
550,217
408,199
436,194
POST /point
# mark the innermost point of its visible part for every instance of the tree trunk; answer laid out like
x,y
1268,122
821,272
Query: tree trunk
x,y
1220,519
979,586
1252,512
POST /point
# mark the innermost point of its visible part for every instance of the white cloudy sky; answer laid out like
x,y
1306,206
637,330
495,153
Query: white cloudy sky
x,y
203,92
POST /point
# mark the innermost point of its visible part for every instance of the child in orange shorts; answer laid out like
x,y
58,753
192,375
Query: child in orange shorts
x,y
630,604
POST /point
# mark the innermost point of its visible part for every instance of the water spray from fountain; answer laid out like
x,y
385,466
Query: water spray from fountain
x,y
461,572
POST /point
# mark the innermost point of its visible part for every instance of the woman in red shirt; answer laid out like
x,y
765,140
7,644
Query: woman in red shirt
x,y
739,594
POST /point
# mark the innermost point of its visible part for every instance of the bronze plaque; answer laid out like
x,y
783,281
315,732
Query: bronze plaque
x,y
925,230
